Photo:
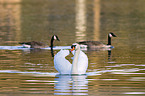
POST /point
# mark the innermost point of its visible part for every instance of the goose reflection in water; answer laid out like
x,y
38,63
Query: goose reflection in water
x,y
71,85
109,55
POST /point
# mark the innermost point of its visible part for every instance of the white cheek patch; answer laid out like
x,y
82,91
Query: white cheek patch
x,y
55,38
110,35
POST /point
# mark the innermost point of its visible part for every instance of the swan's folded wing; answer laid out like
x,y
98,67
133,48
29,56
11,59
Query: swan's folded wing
x,y
62,65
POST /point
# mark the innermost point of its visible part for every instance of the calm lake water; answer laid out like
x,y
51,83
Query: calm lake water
x,y
119,72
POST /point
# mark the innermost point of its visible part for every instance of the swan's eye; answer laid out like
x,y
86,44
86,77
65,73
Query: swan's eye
x,y
73,46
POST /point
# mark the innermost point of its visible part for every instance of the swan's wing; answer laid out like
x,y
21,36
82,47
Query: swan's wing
x,y
82,63
62,65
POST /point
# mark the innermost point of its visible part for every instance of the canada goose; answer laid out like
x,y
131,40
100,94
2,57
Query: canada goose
x,y
79,64
35,44
96,45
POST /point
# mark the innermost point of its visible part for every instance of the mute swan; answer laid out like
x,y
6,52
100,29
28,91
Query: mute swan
x,y
35,44
93,45
79,64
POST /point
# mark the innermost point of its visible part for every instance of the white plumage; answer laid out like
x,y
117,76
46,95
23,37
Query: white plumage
x,y
62,65
79,65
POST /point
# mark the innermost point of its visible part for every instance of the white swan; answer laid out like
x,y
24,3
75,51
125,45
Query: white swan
x,y
79,64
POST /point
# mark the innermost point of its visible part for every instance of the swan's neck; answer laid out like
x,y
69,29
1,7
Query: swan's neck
x,y
74,69
109,40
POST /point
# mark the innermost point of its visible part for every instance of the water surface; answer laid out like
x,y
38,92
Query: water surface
x,y
119,72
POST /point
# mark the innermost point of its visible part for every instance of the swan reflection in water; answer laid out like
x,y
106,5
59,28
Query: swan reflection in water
x,y
79,64
71,85
72,79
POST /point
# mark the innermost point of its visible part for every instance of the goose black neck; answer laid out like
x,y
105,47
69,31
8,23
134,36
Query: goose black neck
x,y
52,54
51,43
109,40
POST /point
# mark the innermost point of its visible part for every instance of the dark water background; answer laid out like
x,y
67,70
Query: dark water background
x,y
32,72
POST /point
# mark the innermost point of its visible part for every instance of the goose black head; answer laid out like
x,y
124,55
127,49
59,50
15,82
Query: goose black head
x,y
55,37
112,34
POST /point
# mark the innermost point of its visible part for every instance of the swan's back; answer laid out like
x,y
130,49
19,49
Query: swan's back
x,y
62,65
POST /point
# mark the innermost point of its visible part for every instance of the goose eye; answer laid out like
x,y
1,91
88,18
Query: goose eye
x,y
114,35
58,39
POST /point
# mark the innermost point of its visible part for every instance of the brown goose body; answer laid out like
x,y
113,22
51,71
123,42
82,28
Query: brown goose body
x,y
34,44
92,45
37,44
96,45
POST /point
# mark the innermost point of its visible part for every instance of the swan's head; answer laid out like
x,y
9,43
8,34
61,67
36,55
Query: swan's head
x,y
75,46
55,37
112,34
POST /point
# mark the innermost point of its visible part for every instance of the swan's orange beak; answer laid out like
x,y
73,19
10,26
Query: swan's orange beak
x,y
73,48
